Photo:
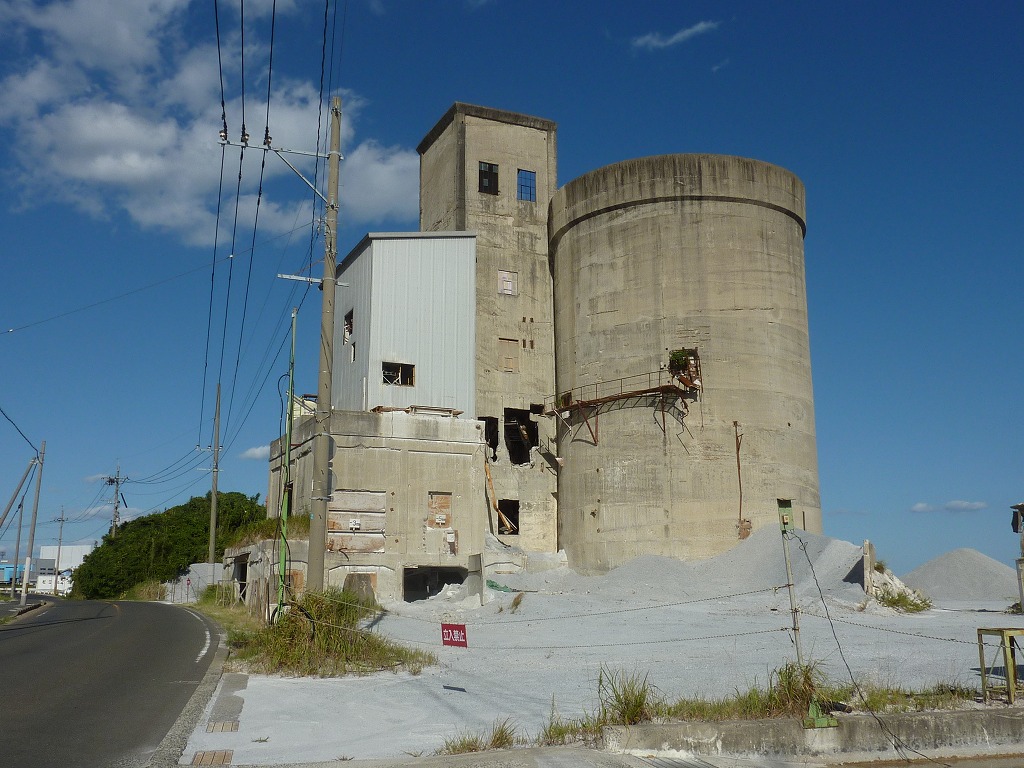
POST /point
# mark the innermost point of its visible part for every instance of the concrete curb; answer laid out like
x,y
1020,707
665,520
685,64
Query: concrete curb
x,y
991,731
173,744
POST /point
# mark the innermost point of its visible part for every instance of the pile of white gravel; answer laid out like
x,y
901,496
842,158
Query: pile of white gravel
x,y
964,575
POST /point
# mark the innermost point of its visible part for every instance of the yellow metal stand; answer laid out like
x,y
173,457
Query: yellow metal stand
x,y
1008,645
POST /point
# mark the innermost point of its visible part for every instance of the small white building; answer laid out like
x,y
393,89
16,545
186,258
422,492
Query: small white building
x,y
405,336
62,570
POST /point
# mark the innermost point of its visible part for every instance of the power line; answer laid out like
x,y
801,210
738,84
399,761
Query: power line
x,y
36,450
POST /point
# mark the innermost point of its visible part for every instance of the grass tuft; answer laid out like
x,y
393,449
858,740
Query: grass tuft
x,y
905,602
320,636
503,735
626,698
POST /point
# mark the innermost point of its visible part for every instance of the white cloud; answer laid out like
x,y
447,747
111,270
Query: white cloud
x,y
117,114
259,452
655,40
380,182
958,505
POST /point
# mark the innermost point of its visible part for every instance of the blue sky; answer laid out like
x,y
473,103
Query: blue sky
x,y
902,119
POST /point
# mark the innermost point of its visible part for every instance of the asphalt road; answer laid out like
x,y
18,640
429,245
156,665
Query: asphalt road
x,y
90,683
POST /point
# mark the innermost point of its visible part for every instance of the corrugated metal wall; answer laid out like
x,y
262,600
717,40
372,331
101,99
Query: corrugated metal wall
x,y
413,299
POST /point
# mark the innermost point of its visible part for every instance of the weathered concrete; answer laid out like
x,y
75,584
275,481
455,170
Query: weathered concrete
x,y
858,737
676,252
387,469
514,320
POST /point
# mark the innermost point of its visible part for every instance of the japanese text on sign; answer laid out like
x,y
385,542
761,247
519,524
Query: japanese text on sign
x,y
454,634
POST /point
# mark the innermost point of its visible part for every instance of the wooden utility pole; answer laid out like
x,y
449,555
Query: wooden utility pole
x,y
32,527
212,553
322,439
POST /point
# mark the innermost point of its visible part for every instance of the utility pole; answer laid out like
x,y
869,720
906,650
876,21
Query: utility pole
x,y
322,438
115,481
786,524
286,491
32,527
17,547
60,539
212,554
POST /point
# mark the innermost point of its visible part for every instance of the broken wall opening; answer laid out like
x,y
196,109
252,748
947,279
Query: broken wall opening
x,y
521,435
419,583
508,517
491,434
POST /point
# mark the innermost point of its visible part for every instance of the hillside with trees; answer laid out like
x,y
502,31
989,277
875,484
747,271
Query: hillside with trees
x,y
161,546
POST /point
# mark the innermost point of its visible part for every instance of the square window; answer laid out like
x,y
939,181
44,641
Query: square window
x,y
489,178
527,186
508,283
399,374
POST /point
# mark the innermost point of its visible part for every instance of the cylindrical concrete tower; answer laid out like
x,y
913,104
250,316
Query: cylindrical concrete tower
x,y
701,256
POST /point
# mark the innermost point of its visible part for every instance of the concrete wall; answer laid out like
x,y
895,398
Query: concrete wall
x,y
665,253
511,238
414,483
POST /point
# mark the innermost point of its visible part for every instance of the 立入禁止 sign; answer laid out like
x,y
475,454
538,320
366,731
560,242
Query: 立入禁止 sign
x,y
454,634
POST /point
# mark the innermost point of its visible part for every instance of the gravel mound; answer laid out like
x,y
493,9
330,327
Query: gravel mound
x,y
964,574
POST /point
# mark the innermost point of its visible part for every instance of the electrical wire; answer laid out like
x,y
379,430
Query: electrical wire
x,y
19,429
898,744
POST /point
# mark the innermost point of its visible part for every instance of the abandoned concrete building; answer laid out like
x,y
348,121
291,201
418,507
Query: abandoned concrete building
x,y
616,367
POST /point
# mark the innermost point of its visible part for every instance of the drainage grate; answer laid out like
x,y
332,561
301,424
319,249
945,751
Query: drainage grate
x,y
213,757
222,726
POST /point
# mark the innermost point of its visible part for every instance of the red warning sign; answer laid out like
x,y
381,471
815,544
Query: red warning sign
x,y
454,634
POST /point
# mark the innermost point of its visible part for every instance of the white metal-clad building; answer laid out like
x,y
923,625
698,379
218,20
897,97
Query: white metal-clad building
x,y
405,323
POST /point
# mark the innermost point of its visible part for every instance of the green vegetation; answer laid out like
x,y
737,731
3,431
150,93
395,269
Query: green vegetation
x,y
319,636
150,589
161,546
267,528
503,735
907,602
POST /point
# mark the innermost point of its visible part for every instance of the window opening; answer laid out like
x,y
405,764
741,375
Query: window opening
x,y
527,186
421,583
399,374
508,283
491,434
489,178
349,324
508,355
508,517
352,352
520,435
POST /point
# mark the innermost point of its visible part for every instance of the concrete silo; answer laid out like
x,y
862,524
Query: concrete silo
x,y
700,256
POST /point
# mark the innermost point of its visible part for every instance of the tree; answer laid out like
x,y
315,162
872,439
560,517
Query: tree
x,y
161,546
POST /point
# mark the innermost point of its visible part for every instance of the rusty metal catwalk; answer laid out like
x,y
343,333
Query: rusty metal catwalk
x,y
586,401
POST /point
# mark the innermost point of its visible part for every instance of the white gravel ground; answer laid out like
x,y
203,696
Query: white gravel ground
x,y
707,628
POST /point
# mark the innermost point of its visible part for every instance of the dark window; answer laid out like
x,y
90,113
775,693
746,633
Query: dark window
x,y
399,374
349,324
508,517
527,182
491,434
489,178
520,435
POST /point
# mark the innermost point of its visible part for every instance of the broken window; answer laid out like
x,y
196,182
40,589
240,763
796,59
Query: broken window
x,y
491,434
508,355
399,374
349,325
508,517
520,435
508,282
489,178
